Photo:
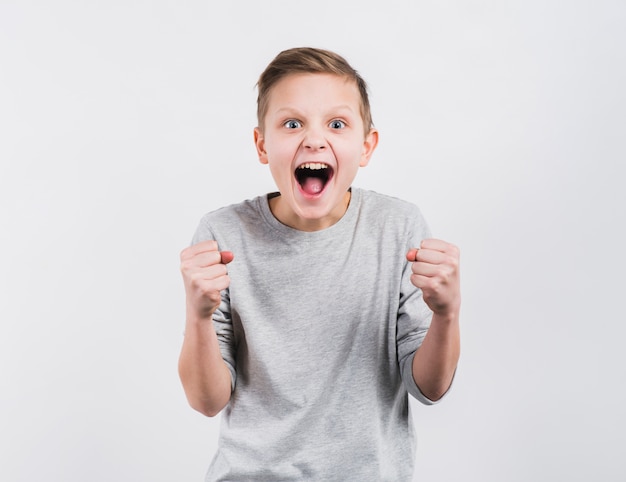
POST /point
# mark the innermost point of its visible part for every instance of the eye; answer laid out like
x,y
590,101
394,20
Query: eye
x,y
292,124
337,124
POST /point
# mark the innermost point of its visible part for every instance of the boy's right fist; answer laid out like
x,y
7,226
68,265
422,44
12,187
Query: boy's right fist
x,y
204,272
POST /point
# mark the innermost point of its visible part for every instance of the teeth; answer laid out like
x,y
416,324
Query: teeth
x,y
314,165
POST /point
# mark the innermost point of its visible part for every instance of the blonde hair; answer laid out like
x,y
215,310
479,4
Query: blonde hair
x,y
309,60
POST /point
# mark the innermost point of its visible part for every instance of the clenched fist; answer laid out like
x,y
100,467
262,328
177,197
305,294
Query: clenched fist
x,y
436,272
205,274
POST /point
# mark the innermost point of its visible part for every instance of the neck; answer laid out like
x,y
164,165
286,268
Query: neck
x,y
283,214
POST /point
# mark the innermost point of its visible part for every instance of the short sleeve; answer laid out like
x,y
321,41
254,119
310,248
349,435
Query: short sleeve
x,y
222,322
222,319
413,322
414,316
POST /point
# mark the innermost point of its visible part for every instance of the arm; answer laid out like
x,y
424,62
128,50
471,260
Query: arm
x,y
205,377
436,272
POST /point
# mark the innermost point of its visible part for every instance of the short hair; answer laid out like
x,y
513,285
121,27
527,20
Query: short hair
x,y
309,60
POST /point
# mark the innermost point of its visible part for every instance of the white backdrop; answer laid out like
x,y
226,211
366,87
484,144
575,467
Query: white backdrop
x,y
122,122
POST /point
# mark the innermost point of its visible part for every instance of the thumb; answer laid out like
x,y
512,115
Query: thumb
x,y
412,255
226,257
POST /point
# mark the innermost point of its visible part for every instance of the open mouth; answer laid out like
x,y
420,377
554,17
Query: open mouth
x,y
313,177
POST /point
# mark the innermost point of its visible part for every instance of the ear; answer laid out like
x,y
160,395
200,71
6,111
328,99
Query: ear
x,y
259,142
369,145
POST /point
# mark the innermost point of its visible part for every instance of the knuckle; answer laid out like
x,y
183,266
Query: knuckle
x,y
433,285
213,296
185,265
195,279
211,244
452,262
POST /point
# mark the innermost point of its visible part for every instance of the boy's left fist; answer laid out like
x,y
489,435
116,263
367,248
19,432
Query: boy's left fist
x,y
436,272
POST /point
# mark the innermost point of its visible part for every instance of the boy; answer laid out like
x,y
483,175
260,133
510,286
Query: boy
x,y
328,315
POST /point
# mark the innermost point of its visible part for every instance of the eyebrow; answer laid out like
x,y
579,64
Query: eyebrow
x,y
295,110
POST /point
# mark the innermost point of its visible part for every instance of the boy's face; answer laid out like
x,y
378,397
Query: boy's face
x,y
314,142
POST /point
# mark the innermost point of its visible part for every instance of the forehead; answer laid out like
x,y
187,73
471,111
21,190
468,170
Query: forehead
x,y
314,89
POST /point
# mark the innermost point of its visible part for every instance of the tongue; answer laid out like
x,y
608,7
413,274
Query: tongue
x,y
312,185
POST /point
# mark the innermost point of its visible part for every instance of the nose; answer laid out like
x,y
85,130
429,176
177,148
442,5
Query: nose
x,y
314,140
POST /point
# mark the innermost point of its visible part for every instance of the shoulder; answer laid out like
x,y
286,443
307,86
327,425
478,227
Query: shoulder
x,y
385,202
385,213
229,220
384,205
233,213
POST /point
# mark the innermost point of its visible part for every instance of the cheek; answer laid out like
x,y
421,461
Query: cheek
x,y
281,155
281,171
352,155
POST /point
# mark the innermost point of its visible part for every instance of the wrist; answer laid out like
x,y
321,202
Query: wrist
x,y
450,317
197,316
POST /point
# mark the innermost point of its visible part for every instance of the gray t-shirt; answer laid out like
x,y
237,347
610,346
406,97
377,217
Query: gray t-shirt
x,y
319,330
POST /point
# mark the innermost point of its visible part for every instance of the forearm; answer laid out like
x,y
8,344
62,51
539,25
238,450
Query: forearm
x,y
205,376
436,360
